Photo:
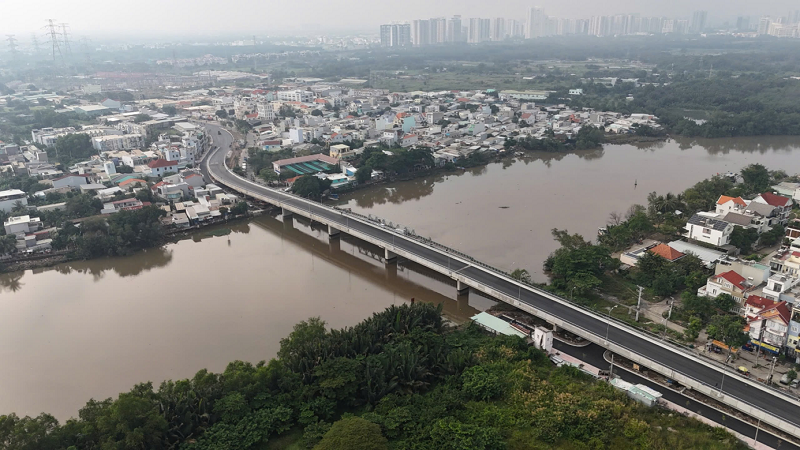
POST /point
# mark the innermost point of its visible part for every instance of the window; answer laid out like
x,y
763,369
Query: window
x,y
706,231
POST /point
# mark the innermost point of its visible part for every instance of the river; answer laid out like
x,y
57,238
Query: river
x,y
95,328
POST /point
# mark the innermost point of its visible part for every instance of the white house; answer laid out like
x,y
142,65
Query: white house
x,y
159,167
22,225
409,140
727,204
10,197
708,230
784,205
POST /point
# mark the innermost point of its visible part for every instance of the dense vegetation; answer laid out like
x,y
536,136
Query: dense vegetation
x,y
401,379
117,234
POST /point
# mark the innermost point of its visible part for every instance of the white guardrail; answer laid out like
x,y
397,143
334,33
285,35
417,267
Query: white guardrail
x,y
666,370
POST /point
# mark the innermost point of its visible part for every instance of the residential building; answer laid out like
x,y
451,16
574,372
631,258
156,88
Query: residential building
x,y
396,35
128,204
730,283
159,167
118,142
22,225
9,199
296,96
784,205
727,204
769,329
708,230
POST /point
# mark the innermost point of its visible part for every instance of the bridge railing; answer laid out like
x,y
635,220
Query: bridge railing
x,y
404,233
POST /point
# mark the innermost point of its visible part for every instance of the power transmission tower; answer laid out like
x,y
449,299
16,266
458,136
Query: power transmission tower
x,y
51,31
12,45
85,48
35,42
65,37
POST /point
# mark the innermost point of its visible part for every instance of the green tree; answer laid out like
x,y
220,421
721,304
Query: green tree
x,y
363,175
744,238
221,113
756,178
353,433
124,169
239,208
139,118
577,265
728,329
317,112
169,109
773,236
310,186
83,205
521,275
8,244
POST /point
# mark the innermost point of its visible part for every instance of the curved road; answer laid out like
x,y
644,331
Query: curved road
x,y
732,385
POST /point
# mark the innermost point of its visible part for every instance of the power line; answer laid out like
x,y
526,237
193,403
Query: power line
x,y
65,37
51,28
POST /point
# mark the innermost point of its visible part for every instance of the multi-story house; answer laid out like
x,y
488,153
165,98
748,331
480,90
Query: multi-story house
x,y
769,329
711,231
783,204
730,283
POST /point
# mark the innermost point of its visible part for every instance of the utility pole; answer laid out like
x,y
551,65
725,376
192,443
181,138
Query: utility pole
x,y
639,302
65,37
51,31
769,380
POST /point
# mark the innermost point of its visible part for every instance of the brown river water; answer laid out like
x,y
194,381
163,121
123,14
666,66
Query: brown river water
x,y
95,328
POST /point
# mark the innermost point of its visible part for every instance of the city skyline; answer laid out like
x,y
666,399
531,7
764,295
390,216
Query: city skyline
x,y
207,18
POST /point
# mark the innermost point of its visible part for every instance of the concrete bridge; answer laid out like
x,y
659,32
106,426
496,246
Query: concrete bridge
x,y
717,381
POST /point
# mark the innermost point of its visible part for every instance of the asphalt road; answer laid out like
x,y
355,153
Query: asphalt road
x,y
593,354
731,383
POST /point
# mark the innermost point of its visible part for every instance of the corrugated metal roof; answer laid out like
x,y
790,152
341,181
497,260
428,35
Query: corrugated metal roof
x,y
496,324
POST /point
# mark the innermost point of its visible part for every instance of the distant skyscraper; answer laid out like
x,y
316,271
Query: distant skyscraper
x,y
421,33
763,25
438,30
536,23
743,23
396,35
499,29
454,29
698,21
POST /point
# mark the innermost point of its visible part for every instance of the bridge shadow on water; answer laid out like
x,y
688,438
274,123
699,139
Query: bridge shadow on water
x,y
366,261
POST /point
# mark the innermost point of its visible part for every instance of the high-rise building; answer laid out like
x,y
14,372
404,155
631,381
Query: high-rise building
x,y
536,23
698,21
763,25
454,29
486,29
438,30
499,29
396,35
743,23
421,33
476,32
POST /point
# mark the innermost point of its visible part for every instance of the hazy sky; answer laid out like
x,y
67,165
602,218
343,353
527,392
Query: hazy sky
x,y
265,17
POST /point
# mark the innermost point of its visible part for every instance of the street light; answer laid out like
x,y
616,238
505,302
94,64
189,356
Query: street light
x,y
609,322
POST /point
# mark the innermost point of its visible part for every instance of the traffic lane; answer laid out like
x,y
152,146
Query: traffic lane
x,y
593,354
700,372
732,386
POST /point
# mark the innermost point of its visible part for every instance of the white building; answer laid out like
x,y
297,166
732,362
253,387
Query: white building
x,y
118,142
708,230
10,197
296,96
22,225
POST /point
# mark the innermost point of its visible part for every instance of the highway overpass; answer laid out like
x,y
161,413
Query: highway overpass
x,y
715,380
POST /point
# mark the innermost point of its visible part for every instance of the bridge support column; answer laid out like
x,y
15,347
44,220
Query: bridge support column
x,y
389,256
285,212
555,328
461,288
332,232
333,245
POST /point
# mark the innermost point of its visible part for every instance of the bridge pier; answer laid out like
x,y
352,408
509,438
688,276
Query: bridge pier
x,y
285,212
332,232
334,245
391,271
390,257
461,288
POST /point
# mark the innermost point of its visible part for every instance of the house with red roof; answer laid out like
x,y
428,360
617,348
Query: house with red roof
x,y
727,204
781,203
159,167
755,304
730,283
770,327
667,252
408,140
